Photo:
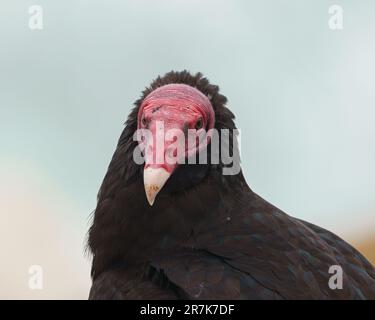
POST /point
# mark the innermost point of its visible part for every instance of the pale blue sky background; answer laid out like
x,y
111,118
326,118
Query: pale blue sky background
x,y
303,95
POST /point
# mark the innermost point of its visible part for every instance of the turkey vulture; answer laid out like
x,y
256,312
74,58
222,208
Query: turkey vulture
x,y
187,231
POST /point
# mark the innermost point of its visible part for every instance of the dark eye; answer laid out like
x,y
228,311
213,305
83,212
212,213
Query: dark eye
x,y
199,124
144,121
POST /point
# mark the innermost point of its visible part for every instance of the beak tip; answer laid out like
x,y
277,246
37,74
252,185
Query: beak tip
x,y
151,193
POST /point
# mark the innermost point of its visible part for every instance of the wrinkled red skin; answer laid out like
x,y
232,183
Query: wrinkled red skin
x,y
174,106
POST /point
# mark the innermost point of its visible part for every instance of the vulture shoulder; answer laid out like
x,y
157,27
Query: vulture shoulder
x,y
256,251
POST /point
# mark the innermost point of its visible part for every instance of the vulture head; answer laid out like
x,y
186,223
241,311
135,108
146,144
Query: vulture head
x,y
144,206
170,113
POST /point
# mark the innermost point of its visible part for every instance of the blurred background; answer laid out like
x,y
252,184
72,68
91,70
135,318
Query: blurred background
x,y
303,95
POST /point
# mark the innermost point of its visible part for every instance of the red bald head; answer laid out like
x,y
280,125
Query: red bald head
x,y
173,106
178,99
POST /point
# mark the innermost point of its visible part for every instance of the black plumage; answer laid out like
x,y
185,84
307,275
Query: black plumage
x,y
209,236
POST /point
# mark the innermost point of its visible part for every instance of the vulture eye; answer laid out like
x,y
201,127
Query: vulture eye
x,y
144,121
199,124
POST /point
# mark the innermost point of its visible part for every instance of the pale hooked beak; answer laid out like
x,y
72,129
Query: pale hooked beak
x,y
154,179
